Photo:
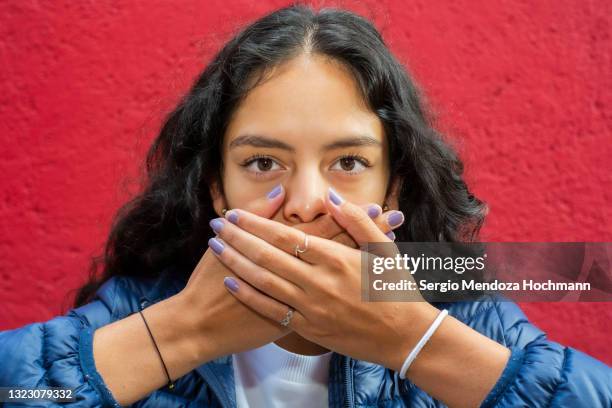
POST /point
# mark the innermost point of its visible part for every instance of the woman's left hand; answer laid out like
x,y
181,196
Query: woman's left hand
x,y
323,285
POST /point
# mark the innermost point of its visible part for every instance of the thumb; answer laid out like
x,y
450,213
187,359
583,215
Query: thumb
x,y
267,205
354,219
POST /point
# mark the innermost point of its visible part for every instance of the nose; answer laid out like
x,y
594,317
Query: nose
x,y
305,196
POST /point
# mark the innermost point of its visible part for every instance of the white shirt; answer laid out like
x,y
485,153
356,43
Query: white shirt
x,y
270,376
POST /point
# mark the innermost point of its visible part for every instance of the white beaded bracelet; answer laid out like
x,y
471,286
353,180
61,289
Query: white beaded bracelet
x,y
415,351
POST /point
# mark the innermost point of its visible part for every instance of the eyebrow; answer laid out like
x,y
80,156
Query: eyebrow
x,y
263,141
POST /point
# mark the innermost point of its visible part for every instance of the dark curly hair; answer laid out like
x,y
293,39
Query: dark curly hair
x,y
167,223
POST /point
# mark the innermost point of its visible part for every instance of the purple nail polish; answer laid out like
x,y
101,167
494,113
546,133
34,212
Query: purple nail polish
x,y
275,191
232,217
396,218
216,224
216,245
373,211
231,284
334,197
391,235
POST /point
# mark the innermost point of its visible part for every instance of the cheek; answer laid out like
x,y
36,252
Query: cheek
x,y
369,189
240,190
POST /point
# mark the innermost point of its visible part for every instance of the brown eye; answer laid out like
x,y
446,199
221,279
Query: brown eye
x,y
264,164
260,165
351,164
347,163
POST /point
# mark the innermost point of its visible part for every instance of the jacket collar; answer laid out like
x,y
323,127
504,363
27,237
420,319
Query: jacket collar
x,y
219,373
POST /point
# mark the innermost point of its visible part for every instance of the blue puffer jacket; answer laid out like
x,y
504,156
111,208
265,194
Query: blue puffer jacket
x,y
58,353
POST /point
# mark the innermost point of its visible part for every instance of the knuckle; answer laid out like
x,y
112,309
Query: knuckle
x,y
337,263
246,296
382,226
317,312
318,332
262,257
309,331
228,234
331,291
229,257
296,324
329,287
284,238
362,219
264,282
356,214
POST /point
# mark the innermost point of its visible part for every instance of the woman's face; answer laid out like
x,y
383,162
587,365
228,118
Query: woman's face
x,y
308,128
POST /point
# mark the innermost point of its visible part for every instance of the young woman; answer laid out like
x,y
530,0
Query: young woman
x,y
288,144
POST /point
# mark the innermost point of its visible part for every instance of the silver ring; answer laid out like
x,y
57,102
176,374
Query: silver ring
x,y
287,319
299,250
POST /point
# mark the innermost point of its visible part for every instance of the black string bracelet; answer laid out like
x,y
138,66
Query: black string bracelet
x,y
170,383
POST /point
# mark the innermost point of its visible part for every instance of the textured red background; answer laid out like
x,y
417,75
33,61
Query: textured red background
x,y
523,87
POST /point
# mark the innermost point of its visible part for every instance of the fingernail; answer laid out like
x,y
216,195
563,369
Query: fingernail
x,y
275,191
395,218
230,283
334,197
373,210
232,216
216,245
391,235
216,224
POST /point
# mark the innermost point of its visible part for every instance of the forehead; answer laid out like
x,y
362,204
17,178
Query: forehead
x,y
305,97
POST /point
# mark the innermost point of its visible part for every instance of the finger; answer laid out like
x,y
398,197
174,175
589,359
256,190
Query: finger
x,y
272,244
359,225
391,219
324,226
373,210
266,206
258,277
261,303
386,221
354,219
345,239
264,251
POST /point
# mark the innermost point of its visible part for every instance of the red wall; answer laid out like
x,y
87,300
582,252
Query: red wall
x,y
523,87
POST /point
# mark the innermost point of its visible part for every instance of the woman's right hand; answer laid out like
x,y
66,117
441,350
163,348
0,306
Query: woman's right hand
x,y
226,325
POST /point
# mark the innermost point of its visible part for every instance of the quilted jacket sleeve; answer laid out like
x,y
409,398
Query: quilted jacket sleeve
x,y
59,353
543,373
